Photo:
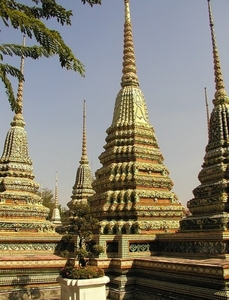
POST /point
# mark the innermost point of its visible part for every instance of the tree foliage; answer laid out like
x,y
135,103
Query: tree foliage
x,y
82,224
48,201
29,20
91,2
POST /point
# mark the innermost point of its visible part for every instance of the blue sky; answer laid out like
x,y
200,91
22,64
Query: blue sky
x,y
174,62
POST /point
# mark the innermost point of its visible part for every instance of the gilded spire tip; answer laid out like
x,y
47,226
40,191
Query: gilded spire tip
x,y
129,70
56,191
219,84
84,158
18,119
127,11
20,86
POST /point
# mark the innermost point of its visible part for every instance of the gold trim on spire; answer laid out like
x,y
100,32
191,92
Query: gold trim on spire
x,y
20,85
56,192
129,70
84,159
56,212
82,188
18,119
127,12
219,84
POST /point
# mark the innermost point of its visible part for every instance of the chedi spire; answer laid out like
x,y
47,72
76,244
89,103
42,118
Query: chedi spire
x,y
56,219
209,207
18,118
82,188
129,65
21,207
84,159
219,84
133,188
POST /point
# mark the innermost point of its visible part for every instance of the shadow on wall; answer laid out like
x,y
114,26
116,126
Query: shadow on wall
x,y
22,292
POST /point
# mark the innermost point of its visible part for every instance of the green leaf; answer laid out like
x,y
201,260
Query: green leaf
x,y
29,20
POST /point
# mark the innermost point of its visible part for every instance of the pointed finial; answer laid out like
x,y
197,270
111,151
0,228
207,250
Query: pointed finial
x,y
20,85
84,158
207,108
56,191
127,11
18,118
219,84
129,70
56,219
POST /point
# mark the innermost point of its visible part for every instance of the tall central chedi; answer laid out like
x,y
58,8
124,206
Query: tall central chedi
x,y
133,187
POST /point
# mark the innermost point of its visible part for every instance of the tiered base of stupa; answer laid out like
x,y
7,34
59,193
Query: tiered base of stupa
x,y
201,245
125,245
193,245
29,265
181,266
30,276
23,243
164,277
